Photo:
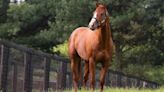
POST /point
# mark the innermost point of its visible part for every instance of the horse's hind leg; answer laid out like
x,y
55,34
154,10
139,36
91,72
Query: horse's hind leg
x,y
75,70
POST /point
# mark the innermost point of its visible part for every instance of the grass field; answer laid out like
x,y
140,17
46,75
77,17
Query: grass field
x,y
124,90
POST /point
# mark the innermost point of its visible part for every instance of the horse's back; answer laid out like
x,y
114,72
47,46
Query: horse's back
x,y
79,31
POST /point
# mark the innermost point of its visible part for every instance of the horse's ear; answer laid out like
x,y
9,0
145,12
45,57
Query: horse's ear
x,y
107,14
105,6
97,4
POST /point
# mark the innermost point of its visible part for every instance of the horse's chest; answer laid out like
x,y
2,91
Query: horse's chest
x,y
101,55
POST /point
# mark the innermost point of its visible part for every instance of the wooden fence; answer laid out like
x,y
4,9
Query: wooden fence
x,y
24,69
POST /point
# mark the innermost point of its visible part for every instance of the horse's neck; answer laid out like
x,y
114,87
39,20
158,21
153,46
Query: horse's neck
x,y
105,34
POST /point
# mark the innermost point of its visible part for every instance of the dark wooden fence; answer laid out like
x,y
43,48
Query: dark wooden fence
x,y
25,70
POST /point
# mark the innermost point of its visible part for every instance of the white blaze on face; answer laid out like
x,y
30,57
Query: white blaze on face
x,y
93,20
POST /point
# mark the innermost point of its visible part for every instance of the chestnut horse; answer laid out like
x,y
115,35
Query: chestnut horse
x,y
92,44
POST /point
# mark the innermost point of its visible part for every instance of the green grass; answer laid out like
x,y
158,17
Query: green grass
x,y
123,90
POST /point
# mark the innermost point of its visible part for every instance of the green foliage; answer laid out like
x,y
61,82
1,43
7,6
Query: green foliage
x,y
149,72
46,22
8,29
61,49
0,3
3,8
156,74
141,55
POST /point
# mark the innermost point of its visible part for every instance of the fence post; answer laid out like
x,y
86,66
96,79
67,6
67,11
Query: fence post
x,y
107,79
69,80
0,64
138,83
61,80
47,63
28,70
128,82
119,77
4,67
14,85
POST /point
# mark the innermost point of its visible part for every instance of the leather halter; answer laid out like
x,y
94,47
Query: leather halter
x,y
100,22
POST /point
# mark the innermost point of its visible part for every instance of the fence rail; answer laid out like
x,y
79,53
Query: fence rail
x,y
24,69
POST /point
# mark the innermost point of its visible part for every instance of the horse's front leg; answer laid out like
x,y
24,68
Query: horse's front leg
x,y
92,65
86,74
103,72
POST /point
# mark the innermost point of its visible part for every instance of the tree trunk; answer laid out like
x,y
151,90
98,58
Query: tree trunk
x,y
3,9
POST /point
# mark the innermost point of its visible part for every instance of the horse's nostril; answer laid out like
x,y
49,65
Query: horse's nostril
x,y
92,28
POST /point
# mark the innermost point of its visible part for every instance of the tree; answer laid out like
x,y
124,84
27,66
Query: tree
x,y
43,24
134,23
3,8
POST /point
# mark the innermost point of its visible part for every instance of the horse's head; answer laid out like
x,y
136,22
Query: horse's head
x,y
99,18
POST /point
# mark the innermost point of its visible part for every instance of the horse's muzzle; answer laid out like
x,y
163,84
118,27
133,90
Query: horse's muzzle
x,y
92,28
93,24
